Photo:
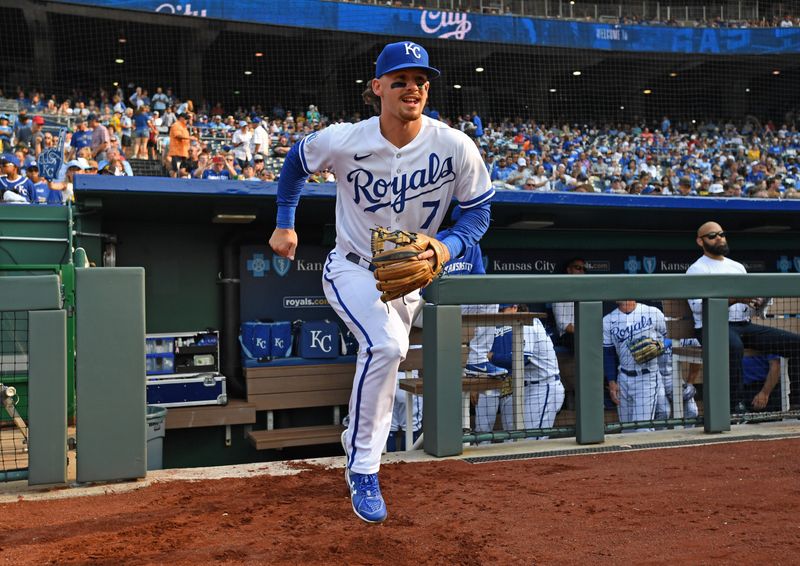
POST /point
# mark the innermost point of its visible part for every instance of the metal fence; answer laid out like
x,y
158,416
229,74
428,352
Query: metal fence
x,y
13,394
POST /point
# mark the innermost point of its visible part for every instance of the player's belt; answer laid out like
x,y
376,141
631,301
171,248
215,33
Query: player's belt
x,y
358,260
545,380
630,373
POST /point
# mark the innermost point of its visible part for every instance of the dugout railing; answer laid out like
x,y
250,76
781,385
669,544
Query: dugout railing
x,y
443,433
109,359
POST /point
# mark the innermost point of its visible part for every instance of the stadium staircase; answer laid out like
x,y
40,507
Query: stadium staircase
x,y
148,168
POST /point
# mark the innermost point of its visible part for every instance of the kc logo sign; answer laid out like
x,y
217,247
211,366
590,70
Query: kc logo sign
x,y
323,343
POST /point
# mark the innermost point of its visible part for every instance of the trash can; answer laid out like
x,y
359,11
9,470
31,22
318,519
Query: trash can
x,y
155,436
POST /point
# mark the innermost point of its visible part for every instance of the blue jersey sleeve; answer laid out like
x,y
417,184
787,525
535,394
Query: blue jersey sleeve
x,y
468,230
290,184
502,349
610,363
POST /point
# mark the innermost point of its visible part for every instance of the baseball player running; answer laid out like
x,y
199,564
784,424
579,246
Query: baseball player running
x,y
633,348
544,392
399,170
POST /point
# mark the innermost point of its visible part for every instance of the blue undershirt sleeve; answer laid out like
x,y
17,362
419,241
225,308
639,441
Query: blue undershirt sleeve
x,y
610,363
468,229
290,184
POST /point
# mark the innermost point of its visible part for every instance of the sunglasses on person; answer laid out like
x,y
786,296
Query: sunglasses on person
x,y
715,235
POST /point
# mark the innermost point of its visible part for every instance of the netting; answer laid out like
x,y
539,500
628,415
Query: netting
x,y
13,392
642,393
603,112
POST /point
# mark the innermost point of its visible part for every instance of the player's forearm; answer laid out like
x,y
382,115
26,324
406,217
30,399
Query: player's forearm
x,y
468,230
290,184
610,363
773,377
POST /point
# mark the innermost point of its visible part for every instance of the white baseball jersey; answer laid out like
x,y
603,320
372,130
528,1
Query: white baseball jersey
x,y
707,266
620,329
406,188
540,356
564,314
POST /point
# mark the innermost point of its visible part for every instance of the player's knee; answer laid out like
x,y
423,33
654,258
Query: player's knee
x,y
390,348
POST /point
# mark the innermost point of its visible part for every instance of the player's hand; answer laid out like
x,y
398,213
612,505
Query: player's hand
x,y
760,400
427,254
284,242
613,391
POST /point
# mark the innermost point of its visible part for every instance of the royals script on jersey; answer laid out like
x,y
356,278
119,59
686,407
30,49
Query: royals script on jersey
x,y
620,329
405,188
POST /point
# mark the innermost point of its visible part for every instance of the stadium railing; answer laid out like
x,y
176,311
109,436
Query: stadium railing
x,y
442,332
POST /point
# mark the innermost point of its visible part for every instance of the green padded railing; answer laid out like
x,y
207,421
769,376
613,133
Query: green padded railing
x,y
442,331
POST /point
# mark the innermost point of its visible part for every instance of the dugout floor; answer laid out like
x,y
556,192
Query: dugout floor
x,y
524,449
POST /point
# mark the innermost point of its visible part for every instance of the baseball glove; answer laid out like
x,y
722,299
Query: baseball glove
x,y
398,271
645,349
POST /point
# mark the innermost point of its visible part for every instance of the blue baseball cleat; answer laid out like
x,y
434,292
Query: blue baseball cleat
x,y
486,369
365,495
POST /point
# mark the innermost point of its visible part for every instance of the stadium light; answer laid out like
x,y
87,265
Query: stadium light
x,y
776,72
553,90
119,61
259,54
359,81
747,89
456,87
622,108
479,69
576,73
122,40
673,74
235,92
647,91
248,73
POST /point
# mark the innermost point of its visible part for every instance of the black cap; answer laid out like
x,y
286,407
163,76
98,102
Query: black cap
x,y
92,117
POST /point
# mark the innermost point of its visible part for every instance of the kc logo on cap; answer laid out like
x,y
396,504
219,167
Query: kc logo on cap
x,y
404,55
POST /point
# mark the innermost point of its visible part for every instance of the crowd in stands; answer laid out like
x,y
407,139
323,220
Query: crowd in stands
x,y
103,134
585,11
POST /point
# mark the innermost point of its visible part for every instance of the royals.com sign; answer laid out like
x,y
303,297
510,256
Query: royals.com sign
x,y
274,287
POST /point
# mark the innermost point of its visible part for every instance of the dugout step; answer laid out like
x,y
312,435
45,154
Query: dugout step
x,y
236,412
295,436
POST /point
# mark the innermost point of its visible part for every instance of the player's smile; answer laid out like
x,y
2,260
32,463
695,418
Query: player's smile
x,y
409,88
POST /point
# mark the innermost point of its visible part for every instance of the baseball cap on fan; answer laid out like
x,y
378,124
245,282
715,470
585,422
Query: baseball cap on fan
x,y
404,55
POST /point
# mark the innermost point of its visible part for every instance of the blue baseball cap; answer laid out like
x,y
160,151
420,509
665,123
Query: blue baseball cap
x,y
404,55
10,158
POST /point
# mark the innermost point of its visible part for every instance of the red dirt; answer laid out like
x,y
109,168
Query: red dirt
x,y
722,504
